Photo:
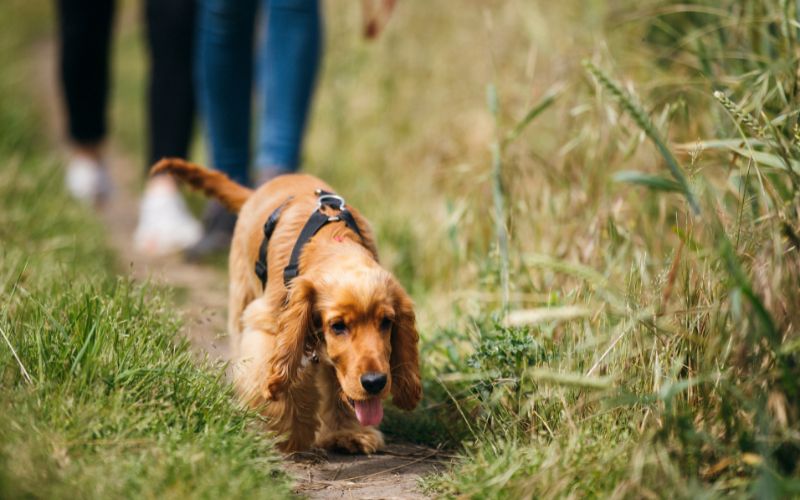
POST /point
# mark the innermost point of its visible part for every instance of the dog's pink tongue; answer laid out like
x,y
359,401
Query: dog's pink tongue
x,y
369,412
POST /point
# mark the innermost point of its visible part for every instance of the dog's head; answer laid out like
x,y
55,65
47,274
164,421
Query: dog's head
x,y
364,323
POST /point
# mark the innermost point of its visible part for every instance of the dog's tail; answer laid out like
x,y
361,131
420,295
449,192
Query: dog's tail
x,y
212,183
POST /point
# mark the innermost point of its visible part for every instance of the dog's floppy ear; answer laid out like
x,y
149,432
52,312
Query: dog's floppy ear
x,y
295,323
406,388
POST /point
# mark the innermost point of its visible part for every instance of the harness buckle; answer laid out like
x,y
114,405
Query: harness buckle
x,y
326,199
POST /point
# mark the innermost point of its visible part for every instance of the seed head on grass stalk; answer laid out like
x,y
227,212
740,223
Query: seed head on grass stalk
x,y
741,115
641,118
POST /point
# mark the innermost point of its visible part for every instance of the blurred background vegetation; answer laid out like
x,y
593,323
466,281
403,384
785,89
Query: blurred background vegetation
x,y
595,205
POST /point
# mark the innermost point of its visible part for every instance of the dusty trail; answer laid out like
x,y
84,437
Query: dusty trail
x,y
393,473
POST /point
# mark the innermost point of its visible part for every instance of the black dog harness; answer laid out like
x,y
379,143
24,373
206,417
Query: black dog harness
x,y
315,222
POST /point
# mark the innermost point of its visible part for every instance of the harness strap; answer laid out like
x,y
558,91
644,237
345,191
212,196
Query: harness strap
x,y
269,228
315,222
313,225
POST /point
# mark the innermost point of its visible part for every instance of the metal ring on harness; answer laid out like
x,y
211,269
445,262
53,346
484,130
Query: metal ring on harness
x,y
324,198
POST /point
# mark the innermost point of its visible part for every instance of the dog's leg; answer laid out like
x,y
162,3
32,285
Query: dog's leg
x,y
340,430
298,420
240,293
238,298
294,415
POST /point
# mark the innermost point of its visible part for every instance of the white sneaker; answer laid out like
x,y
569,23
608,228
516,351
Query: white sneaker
x,y
165,224
87,180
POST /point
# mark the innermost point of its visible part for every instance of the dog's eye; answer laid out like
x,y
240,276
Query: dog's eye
x,y
339,327
386,324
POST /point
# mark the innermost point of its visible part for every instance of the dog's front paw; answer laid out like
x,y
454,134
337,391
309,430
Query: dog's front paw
x,y
365,440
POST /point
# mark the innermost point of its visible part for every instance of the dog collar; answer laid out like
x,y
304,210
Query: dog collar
x,y
315,222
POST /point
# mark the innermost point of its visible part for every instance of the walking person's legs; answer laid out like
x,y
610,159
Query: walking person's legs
x,y
171,27
165,223
288,66
85,37
224,82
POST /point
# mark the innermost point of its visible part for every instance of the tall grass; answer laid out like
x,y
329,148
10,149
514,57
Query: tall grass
x,y
662,355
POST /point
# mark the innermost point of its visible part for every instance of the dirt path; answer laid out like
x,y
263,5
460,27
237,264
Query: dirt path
x,y
202,291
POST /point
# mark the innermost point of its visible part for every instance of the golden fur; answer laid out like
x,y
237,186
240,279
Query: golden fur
x,y
275,331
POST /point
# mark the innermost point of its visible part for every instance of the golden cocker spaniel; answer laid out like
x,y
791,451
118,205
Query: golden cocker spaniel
x,y
317,354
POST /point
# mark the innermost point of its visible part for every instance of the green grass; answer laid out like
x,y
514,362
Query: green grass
x,y
100,396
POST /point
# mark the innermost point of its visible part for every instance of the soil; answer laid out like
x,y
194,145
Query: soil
x,y
201,291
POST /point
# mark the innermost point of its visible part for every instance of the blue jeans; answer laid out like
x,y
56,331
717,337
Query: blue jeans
x,y
286,62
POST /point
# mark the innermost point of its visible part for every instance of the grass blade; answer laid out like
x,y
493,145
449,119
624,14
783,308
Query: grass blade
x,y
654,182
644,122
547,101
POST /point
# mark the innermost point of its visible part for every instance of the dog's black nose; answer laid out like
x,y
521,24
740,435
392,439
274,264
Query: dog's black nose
x,y
373,382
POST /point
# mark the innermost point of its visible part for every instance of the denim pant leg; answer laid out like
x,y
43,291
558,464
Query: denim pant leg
x,y
224,81
288,63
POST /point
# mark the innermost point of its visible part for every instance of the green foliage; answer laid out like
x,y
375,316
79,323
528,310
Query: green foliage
x,y
685,362
507,352
108,402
